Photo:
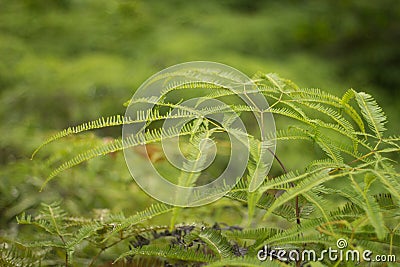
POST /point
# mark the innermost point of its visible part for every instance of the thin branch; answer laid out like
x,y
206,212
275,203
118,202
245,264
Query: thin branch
x,y
291,184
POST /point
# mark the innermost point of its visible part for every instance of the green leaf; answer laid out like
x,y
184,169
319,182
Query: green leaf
x,y
216,242
302,187
84,232
150,136
245,262
371,208
372,113
150,212
168,252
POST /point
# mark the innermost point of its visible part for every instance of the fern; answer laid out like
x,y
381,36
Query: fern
x,y
96,124
118,145
12,255
370,205
372,113
216,242
309,209
54,222
245,262
169,253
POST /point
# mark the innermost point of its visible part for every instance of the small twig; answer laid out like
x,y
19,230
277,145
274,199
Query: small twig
x,y
291,184
362,157
297,208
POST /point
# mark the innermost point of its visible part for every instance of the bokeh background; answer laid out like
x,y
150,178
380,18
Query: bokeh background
x,y
63,62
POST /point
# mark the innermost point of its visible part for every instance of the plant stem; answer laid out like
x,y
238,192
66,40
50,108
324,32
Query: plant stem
x,y
297,208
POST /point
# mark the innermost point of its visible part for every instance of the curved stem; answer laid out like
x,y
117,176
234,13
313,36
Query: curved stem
x,y
297,207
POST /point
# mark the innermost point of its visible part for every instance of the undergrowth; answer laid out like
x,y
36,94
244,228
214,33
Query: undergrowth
x,y
349,190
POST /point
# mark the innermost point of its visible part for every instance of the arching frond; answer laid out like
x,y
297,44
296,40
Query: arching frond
x,y
216,242
246,262
367,211
168,252
12,255
256,233
96,124
142,216
304,185
322,97
372,113
370,205
295,233
151,136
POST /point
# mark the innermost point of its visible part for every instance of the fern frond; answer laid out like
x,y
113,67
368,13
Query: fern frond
x,y
28,220
50,219
373,245
370,206
168,252
372,113
216,242
145,262
323,164
189,177
284,179
214,85
318,202
385,201
290,114
317,96
275,81
252,200
253,234
245,262
264,202
150,115
84,232
349,211
326,144
11,256
96,124
303,186
291,105
347,96
125,223
292,133
293,234
56,243
333,114
151,136
392,140
390,181
257,167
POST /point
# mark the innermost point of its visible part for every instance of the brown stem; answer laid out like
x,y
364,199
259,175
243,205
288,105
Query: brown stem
x,y
297,208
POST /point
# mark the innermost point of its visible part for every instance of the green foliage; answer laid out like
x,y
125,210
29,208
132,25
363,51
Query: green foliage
x,y
348,190
65,62
12,255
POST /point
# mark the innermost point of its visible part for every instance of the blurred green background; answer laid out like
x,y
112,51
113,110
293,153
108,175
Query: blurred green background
x,y
63,62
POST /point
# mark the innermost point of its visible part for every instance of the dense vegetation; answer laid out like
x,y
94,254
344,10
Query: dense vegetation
x,y
66,62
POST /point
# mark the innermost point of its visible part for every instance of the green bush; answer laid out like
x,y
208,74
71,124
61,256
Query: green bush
x,y
344,187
